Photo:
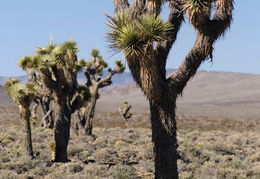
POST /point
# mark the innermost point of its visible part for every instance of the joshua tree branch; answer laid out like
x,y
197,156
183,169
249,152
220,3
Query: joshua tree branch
x,y
121,5
175,18
203,47
46,77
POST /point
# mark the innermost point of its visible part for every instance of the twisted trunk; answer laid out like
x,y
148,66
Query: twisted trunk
x,y
90,112
47,120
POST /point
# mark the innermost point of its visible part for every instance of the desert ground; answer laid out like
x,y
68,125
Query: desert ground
x,y
218,123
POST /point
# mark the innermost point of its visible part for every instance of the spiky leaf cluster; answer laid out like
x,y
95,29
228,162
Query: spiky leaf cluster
x,y
95,53
26,62
46,50
18,91
198,11
63,55
84,92
120,68
130,35
11,82
97,64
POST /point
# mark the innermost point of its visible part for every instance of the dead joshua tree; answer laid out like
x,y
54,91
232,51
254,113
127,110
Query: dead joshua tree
x,y
93,71
124,112
146,40
23,96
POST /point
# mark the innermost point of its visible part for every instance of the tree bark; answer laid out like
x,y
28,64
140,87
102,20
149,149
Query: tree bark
x,y
164,137
25,116
90,112
61,131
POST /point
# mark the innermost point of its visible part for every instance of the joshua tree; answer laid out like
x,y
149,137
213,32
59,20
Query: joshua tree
x,y
44,98
57,69
93,72
23,96
124,112
146,40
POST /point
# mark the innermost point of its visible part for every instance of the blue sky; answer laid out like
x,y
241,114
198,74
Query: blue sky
x,y
29,23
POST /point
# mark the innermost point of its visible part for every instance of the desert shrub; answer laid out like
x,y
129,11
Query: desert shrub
x,y
96,171
9,174
145,166
74,150
123,172
120,152
105,155
83,156
6,139
145,153
186,175
119,144
75,168
255,157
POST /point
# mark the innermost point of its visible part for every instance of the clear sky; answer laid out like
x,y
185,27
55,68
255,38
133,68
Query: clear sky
x,y
25,24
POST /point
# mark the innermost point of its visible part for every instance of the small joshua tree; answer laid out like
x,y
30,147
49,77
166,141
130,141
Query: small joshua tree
x,y
124,112
93,72
44,98
23,96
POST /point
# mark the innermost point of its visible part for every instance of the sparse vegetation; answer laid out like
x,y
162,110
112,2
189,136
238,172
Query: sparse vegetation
x,y
219,151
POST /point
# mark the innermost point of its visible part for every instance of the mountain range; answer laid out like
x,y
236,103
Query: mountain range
x,y
207,94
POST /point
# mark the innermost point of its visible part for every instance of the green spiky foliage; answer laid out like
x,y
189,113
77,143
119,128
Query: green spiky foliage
x,y
120,68
82,97
131,35
20,92
26,62
46,50
95,53
84,93
52,56
9,84
198,11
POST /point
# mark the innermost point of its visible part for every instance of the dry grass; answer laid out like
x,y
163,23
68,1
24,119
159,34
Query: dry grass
x,y
209,148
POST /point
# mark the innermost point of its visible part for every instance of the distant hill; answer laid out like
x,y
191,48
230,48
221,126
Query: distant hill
x,y
212,94
118,79
221,94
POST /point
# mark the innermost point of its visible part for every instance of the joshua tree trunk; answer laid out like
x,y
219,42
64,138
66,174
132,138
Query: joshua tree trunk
x,y
62,131
165,143
47,120
90,112
25,116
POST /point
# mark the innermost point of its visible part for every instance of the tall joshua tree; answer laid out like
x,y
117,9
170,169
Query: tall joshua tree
x,y
57,69
23,96
146,40
94,71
